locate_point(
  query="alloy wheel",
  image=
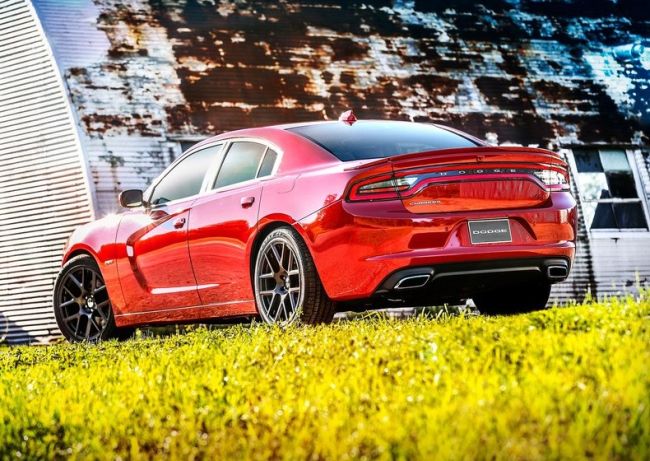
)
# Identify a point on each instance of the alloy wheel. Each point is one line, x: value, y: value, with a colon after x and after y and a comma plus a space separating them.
x: 278, y: 282
x: 84, y: 304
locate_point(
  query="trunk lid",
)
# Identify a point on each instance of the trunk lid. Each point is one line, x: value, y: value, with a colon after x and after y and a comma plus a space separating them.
x: 480, y: 178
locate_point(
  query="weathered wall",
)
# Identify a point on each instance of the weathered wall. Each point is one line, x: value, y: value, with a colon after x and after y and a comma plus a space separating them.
x: 498, y: 67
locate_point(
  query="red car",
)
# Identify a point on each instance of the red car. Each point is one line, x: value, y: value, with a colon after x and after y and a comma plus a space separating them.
x: 296, y: 222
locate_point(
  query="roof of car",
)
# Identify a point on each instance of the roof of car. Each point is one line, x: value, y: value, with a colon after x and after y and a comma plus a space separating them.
x: 342, y: 124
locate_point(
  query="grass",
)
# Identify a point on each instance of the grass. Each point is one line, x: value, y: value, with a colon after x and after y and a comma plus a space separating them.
x: 568, y: 383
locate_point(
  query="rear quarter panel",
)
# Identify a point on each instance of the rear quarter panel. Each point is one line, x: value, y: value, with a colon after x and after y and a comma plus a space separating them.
x: 311, y: 202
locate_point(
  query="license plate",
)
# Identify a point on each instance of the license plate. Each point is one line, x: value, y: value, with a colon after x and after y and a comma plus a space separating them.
x: 490, y: 231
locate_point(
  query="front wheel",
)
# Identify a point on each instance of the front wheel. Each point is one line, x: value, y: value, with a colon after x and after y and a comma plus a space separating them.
x: 514, y: 299
x: 82, y: 307
x: 287, y: 286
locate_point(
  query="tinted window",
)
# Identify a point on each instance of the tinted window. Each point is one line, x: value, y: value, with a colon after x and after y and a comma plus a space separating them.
x: 185, y: 179
x: 241, y: 163
x: 268, y: 163
x: 377, y: 139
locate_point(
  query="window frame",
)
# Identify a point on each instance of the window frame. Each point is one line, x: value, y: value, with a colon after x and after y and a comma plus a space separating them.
x: 211, y: 177
x: 213, y: 170
x: 152, y: 188
x: 638, y: 184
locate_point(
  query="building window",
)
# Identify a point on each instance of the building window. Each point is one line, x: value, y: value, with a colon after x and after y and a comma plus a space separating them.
x: 608, y: 190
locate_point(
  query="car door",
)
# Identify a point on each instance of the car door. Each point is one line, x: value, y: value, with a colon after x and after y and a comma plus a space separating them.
x: 156, y: 272
x: 223, y: 222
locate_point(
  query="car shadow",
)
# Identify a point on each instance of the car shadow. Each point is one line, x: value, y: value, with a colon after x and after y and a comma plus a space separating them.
x: 429, y: 312
x: 402, y: 313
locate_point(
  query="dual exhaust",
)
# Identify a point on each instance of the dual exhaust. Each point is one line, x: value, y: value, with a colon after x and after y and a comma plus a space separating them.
x: 554, y: 270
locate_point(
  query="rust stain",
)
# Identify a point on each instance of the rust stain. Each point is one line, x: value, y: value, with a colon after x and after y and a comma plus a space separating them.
x: 527, y: 73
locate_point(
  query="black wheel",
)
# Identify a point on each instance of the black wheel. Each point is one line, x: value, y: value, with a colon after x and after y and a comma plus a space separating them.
x: 514, y: 300
x: 287, y: 286
x: 82, y: 307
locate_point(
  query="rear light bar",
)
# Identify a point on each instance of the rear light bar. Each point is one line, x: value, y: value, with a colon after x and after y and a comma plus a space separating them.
x: 553, y: 179
x: 399, y: 184
x: 387, y: 187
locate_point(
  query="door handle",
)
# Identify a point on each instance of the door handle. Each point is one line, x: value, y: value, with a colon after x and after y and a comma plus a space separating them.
x: 247, y: 202
x: 180, y: 222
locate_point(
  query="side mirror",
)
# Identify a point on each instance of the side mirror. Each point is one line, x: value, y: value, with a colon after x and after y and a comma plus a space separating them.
x: 131, y: 198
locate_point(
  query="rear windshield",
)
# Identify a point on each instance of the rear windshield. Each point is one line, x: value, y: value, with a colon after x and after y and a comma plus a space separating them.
x: 367, y: 139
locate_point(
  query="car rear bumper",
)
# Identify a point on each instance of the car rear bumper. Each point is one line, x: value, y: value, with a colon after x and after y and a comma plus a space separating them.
x: 357, y: 246
x: 455, y: 281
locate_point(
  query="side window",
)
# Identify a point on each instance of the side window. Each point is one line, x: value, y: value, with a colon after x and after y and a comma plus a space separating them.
x: 185, y: 179
x: 268, y: 163
x: 608, y: 190
x: 241, y: 163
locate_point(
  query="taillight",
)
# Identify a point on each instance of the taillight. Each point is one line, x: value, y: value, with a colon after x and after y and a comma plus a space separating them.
x: 553, y: 179
x: 387, y: 187
x: 380, y: 188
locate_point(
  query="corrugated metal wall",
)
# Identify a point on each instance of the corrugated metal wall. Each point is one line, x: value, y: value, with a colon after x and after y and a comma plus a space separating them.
x: 581, y: 280
x: 621, y: 264
x: 44, y: 194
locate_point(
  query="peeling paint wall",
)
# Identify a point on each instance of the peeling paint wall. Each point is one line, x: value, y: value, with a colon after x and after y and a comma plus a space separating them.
x: 145, y: 75
x: 502, y: 70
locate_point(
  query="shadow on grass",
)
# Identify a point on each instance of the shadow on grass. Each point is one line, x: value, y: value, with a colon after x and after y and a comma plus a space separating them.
x: 430, y: 312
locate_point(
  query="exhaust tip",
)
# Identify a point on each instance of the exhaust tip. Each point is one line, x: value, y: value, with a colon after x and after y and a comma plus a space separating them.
x: 413, y: 281
x: 557, y: 272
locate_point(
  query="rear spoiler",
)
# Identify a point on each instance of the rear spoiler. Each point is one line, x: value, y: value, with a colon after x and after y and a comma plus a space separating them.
x: 467, y: 155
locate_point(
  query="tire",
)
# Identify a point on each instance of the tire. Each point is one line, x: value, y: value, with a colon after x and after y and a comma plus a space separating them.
x: 82, y: 308
x: 514, y: 300
x: 291, y: 291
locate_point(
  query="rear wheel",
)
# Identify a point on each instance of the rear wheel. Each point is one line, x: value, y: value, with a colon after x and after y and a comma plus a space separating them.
x: 82, y: 307
x: 287, y: 286
x: 514, y: 300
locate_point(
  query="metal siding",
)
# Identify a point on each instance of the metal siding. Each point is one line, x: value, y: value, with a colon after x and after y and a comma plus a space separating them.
x: 44, y: 193
x: 643, y: 167
x: 581, y: 279
x: 621, y: 265
x: 513, y: 73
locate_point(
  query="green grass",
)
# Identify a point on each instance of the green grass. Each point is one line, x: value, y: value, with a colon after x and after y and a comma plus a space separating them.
x: 566, y: 383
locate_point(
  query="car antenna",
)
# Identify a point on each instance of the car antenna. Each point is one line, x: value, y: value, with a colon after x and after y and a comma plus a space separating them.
x: 348, y: 117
